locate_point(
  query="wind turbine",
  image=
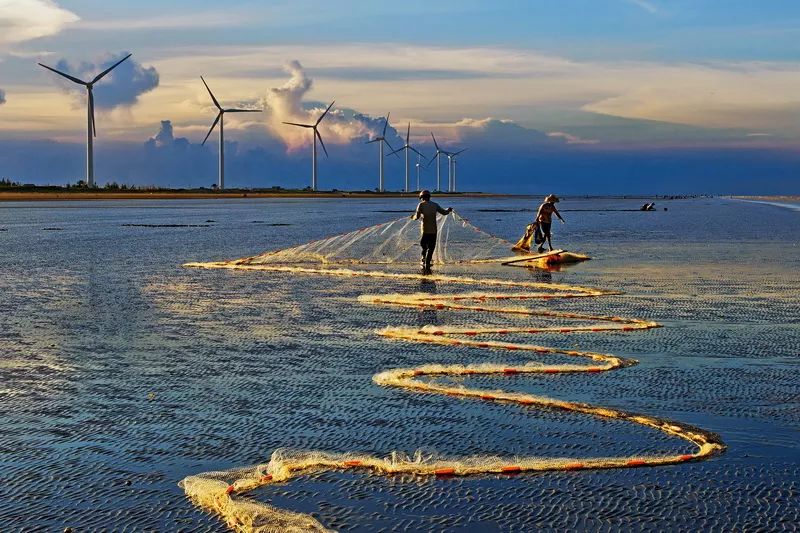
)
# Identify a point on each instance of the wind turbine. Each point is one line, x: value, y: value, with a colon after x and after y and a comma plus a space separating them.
x: 451, y: 169
x: 381, y: 140
x: 406, y: 147
x: 90, y: 126
x: 418, y: 165
x: 314, y: 138
x: 220, y: 119
x: 439, y: 152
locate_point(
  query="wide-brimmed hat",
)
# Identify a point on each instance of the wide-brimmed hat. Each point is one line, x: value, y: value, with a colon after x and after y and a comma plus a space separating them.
x: 551, y: 198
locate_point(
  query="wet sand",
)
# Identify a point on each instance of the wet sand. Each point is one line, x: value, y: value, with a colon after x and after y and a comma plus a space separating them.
x: 785, y: 198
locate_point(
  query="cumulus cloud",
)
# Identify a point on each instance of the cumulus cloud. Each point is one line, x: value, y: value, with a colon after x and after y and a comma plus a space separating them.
x: 485, y: 132
x: 2, y: 97
x: 121, y: 87
x: 23, y: 20
x: 285, y: 103
x: 165, y: 137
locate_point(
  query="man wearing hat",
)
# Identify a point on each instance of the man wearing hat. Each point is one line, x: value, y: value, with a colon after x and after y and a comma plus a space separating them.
x: 428, y: 210
x: 545, y: 219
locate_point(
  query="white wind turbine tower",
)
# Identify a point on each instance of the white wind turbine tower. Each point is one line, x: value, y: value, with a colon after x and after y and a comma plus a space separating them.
x: 439, y: 152
x: 314, y: 138
x: 451, y: 169
x: 91, y: 129
x: 220, y: 119
x: 406, y: 147
x: 381, y: 140
x: 418, y: 165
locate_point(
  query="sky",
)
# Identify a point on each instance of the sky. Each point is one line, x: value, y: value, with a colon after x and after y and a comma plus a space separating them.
x: 575, y: 96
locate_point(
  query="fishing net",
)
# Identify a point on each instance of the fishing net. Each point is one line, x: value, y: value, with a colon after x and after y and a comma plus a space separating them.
x: 458, y: 241
x: 229, y: 493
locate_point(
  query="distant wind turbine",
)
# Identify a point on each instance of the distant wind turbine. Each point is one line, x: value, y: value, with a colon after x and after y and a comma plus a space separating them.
x: 406, y: 147
x: 451, y: 169
x: 91, y: 129
x: 314, y: 138
x: 418, y: 165
x: 381, y: 140
x: 220, y: 119
x: 439, y: 152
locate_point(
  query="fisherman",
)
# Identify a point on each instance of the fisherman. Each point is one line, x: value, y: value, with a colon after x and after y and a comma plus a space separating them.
x: 544, y: 217
x: 428, y: 210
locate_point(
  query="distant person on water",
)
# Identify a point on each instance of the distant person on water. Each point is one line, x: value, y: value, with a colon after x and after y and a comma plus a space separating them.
x: 427, y: 210
x: 544, y: 218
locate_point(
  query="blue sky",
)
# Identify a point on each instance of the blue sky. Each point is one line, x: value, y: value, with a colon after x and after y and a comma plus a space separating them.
x: 602, y: 79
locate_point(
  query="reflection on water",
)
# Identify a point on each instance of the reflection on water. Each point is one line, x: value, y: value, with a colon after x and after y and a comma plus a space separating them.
x: 129, y: 372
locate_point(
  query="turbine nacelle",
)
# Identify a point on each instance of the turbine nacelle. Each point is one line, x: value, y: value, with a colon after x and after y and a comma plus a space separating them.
x: 89, y: 85
x: 91, y: 126
x: 222, y: 111
x: 316, y: 135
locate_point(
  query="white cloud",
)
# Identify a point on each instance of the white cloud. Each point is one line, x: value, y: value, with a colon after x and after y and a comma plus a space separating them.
x: 186, y: 20
x: 571, y: 139
x: 285, y: 104
x: 523, y: 85
x: 23, y: 20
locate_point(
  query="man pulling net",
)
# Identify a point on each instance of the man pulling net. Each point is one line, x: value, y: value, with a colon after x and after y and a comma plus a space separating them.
x: 427, y: 210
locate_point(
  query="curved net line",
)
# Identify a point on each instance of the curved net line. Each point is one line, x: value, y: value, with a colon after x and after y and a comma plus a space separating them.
x: 225, y: 492
x: 397, y: 241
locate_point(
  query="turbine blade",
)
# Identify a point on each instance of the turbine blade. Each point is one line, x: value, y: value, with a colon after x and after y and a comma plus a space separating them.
x: 417, y: 152
x: 91, y: 111
x: 464, y: 150
x: 301, y: 125
x: 242, y: 110
x: 434, y: 142
x: 374, y: 140
x: 323, y: 115
x: 212, y: 128
x: 408, y: 133
x: 212, y: 95
x: 316, y: 132
x: 392, y: 148
x: 71, y: 78
x: 386, y: 124
x: 387, y: 143
x: 109, y: 69
x: 395, y: 151
x: 431, y: 161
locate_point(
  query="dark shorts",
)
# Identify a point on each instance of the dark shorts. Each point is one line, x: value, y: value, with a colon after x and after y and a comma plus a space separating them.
x: 545, y: 228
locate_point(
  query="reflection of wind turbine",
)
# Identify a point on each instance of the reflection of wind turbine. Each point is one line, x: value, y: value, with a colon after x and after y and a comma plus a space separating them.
x: 406, y: 147
x: 439, y: 152
x: 220, y: 119
x: 315, y: 135
x: 451, y: 170
x: 381, y: 140
x: 92, y: 131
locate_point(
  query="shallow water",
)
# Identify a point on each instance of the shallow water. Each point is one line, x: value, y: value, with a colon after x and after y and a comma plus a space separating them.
x: 121, y: 372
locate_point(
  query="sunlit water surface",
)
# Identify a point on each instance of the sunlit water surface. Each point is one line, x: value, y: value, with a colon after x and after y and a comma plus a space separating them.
x: 121, y: 372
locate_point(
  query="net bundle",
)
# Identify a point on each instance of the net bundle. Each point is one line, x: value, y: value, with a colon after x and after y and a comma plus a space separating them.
x: 397, y: 241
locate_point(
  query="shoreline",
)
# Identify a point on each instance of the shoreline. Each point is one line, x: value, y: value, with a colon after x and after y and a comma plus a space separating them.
x: 28, y: 196
x: 81, y: 195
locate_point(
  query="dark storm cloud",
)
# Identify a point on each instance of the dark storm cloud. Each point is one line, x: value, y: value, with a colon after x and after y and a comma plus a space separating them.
x: 121, y: 87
